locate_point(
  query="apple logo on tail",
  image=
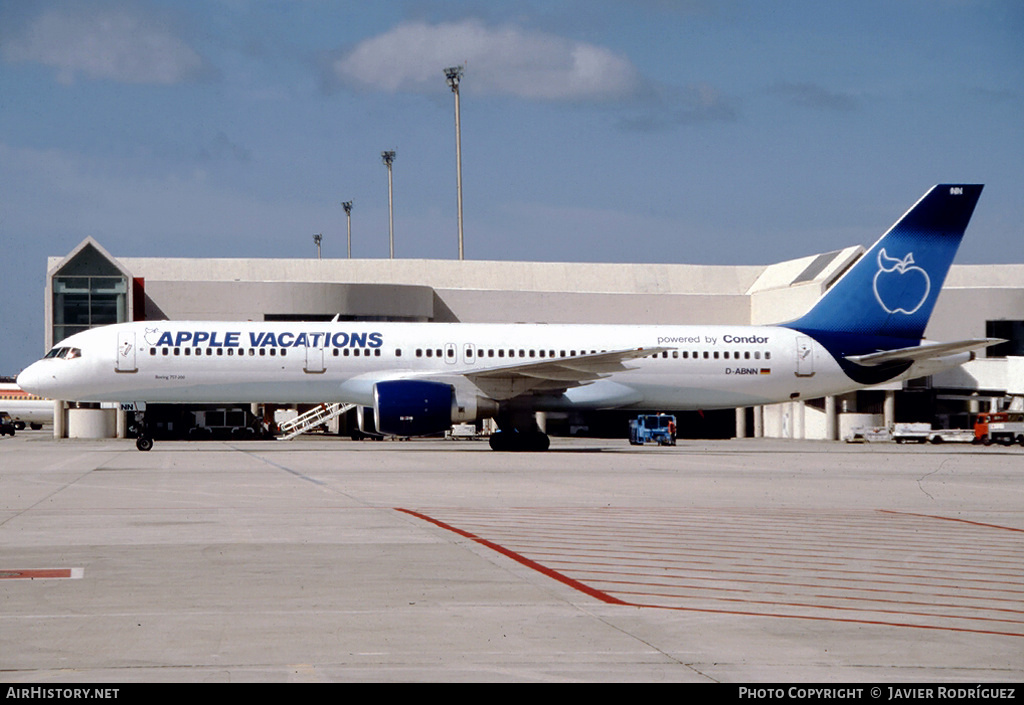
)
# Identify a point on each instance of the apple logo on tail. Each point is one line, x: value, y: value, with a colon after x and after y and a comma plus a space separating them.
x: 900, y: 285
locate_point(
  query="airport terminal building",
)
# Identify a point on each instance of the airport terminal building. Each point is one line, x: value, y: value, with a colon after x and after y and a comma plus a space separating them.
x: 90, y: 287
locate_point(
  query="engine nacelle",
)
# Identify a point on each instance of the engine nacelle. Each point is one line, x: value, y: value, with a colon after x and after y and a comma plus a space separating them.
x: 412, y: 407
x: 408, y: 407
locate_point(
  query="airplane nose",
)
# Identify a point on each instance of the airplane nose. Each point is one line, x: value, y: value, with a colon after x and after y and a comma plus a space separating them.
x: 33, y: 380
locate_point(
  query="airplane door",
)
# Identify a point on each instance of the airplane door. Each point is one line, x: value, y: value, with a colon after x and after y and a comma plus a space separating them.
x: 126, y: 352
x: 314, y: 360
x: 451, y: 353
x: 804, y: 356
x: 469, y: 353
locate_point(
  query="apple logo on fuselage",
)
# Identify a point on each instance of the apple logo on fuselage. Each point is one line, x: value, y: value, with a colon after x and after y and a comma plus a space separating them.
x: 900, y: 285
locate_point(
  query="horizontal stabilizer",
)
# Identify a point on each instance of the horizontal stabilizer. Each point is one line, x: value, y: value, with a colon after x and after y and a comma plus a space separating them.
x: 925, y: 351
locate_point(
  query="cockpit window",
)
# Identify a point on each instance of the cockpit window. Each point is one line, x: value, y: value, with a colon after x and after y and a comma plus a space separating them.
x: 65, y: 353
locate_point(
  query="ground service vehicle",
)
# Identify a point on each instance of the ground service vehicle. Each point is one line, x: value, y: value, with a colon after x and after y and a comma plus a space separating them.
x: 1004, y: 427
x: 6, y: 424
x: 653, y: 428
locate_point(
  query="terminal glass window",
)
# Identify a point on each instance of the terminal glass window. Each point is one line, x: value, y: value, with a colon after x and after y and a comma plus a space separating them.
x: 84, y: 302
x: 1010, y: 331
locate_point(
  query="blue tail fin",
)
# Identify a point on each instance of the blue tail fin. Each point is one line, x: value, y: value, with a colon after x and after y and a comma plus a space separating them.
x: 884, y: 301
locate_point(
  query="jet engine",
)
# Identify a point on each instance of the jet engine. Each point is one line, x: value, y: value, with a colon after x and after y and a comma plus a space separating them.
x: 422, y: 408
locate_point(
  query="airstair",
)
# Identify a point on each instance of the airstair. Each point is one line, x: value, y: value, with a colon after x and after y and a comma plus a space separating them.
x: 316, y: 416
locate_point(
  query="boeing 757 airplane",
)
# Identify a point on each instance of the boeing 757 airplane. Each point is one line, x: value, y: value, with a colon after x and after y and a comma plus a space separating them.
x: 420, y: 378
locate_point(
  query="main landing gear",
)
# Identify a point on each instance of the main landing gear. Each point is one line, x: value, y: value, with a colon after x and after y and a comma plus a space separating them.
x: 521, y: 434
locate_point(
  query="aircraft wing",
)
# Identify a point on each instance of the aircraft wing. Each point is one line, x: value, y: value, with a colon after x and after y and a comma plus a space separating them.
x: 553, y: 374
x: 926, y: 351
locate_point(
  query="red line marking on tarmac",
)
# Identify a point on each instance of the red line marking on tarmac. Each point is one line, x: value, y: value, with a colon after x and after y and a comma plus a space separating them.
x: 543, y: 526
x: 575, y: 584
x: 38, y: 574
x: 962, y: 521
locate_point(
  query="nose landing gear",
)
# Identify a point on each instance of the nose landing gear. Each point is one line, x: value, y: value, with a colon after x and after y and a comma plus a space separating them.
x: 143, y: 440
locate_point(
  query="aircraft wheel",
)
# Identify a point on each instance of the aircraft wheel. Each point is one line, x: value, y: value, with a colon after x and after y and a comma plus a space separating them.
x: 144, y: 443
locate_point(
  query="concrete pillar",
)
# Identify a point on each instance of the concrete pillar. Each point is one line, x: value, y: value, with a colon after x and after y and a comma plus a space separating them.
x: 831, y: 419
x: 58, y: 419
x: 758, y: 422
x: 741, y: 422
x: 799, y: 418
x: 121, y: 424
x: 91, y: 423
x: 889, y: 408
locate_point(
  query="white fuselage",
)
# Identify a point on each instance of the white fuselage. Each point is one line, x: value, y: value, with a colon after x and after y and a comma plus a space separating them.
x: 697, y: 367
x: 24, y: 407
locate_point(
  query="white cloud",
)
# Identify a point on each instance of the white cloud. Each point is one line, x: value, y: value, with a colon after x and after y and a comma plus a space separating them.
x: 506, y: 61
x: 106, y: 44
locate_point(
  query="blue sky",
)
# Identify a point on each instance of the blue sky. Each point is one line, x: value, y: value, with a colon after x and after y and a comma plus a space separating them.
x: 699, y: 131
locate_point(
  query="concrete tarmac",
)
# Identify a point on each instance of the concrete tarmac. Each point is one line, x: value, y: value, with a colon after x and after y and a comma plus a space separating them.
x: 324, y: 559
